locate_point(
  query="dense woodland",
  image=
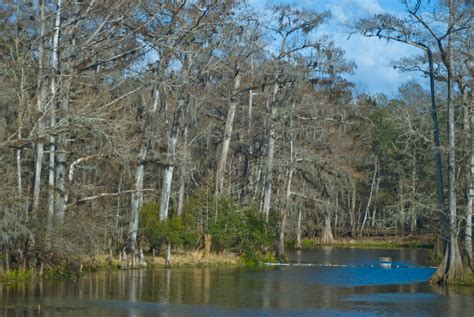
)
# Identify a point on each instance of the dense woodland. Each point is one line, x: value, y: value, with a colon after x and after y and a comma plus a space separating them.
x: 131, y: 126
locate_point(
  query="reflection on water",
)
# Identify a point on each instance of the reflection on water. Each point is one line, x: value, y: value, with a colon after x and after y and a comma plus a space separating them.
x: 301, y: 291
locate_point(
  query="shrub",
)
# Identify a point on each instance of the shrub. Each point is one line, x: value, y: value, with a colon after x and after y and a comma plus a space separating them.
x: 233, y: 227
x: 177, y: 231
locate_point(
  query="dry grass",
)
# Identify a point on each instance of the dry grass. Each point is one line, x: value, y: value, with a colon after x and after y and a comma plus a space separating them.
x: 178, y: 259
x: 408, y: 241
x: 196, y: 259
x: 99, y: 261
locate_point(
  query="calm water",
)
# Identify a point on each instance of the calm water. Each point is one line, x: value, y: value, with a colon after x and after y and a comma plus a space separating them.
x: 279, y: 291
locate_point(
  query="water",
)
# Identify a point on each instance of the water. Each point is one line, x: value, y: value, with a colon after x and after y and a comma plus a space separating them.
x: 275, y: 291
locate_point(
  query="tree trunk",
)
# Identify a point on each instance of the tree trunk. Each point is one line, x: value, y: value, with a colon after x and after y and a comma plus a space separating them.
x: 413, y: 215
x: 372, y: 188
x: 61, y: 166
x: 168, y: 172
x: 281, y: 240
x: 54, y: 98
x: 221, y: 164
x: 136, y: 200
x: 40, y: 107
x: 61, y: 197
x: 468, y: 229
x: 136, y: 203
x: 271, y: 149
x: 168, y: 255
x: 18, y: 168
x: 438, y: 161
x: 377, y: 186
x: 298, y: 245
x: 52, y: 168
x: 286, y: 208
x: 326, y: 234
x: 182, y: 177
x: 451, y: 267
x: 353, y: 210
x: 22, y: 107
x: 468, y: 127
x: 247, y: 173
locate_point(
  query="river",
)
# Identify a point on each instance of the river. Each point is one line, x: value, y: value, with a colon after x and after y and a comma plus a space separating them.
x: 360, y: 288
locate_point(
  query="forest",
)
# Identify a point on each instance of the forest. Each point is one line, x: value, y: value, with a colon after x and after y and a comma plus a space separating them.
x: 139, y: 127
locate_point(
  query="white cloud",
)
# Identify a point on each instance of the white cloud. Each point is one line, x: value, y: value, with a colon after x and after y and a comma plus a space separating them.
x: 345, y: 10
x: 373, y: 58
x: 371, y: 6
x: 258, y: 5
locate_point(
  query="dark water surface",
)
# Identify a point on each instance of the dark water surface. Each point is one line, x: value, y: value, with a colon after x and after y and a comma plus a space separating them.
x: 276, y: 291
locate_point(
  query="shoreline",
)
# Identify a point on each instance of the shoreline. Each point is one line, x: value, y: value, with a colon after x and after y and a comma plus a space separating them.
x: 197, y: 259
x: 180, y: 259
x: 376, y: 242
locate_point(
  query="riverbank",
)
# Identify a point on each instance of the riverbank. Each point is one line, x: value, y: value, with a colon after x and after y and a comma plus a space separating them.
x: 104, y: 262
x: 379, y: 242
x: 467, y: 280
x: 197, y: 259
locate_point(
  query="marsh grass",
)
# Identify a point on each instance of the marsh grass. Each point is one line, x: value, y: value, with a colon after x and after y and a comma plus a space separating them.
x: 422, y: 242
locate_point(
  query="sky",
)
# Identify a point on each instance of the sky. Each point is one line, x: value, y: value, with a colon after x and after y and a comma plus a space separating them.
x: 373, y: 57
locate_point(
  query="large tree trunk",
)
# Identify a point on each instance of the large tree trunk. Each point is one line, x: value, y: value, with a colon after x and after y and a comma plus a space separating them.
x: 451, y: 267
x: 168, y: 172
x: 40, y: 107
x: 326, y: 234
x: 136, y: 203
x: 271, y: 150
x: 54, y: 98
x: 437, y: 144
x: 468, y: 133
x: 468, y: 230
x: 61, y: 166
x: 137, y: 196
x: 221, y: 164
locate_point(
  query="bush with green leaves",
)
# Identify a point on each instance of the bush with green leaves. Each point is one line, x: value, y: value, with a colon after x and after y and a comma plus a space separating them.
x: 177, y: 231
x: 233, y: 227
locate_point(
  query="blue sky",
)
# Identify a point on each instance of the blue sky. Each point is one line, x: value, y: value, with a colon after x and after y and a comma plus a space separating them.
x: 372, y: 56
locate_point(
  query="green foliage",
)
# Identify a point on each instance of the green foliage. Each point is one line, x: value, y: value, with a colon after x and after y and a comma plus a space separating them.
x: 177, y: 231
x: 17, y: 276
x: 386, y: 133
x: 309, y: 243
x: 227, y: 226
x: 233, y: 227
x: 467, y: 280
